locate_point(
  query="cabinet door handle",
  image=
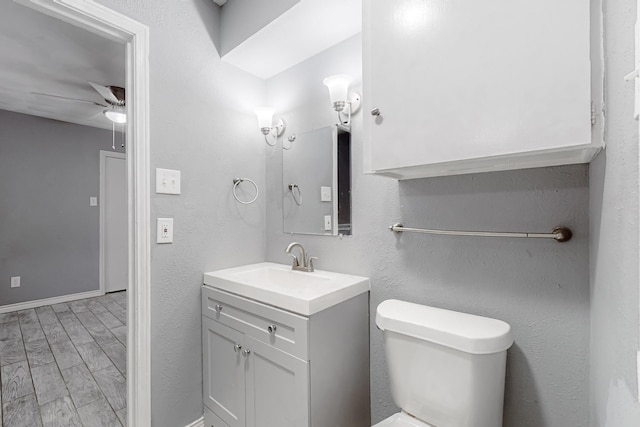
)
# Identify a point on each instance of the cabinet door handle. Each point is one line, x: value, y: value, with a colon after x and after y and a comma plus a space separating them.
x: 237, y: 348
x: 218, y: 308
x: 246, y: 352
x: 271, y: 329
x: 375, y: 111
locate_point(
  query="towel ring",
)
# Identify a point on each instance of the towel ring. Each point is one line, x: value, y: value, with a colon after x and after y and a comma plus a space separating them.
x: 236, y: 182
x: 292, y: 188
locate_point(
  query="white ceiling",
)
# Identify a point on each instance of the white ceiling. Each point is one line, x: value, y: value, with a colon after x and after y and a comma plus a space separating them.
x: 42, y: 54
x: 304, y: 30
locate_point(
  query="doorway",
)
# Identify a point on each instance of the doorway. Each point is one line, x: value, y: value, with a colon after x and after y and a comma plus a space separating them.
x: 110, y: 24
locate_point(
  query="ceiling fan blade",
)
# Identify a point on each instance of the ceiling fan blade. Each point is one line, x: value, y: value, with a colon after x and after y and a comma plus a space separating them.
x: 105, y: 93
x: 66, y: 98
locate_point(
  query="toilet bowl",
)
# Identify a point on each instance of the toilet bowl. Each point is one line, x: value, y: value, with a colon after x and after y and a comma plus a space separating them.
x: 446, y: 368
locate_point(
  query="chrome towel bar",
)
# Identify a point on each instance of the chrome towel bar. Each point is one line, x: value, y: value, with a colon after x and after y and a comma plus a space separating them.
x: 559, y: 234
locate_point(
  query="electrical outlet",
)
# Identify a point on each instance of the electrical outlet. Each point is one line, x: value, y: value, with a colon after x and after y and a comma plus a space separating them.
x: 165, y: 230
x: 327, y: 222
x: 15, y: 282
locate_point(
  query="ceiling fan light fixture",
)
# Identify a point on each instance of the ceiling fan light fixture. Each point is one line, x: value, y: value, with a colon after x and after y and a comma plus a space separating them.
x: 116, y: 116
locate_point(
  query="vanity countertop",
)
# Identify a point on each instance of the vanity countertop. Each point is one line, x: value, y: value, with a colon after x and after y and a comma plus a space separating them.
x: 280, y: 286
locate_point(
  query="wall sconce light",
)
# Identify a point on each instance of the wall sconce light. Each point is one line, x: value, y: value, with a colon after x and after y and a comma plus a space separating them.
x: 344, y: 103
x: 266, y: 125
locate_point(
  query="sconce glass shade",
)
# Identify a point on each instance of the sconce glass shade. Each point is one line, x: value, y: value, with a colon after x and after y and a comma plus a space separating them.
x: 116, y: 116
x: 338, y: 87
x: 265, y: 118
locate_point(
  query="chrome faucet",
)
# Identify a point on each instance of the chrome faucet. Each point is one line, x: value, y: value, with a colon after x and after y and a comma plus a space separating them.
x: 305, y: 263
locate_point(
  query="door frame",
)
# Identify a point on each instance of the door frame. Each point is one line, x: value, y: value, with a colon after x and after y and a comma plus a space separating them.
x: 103, y: 206
x: 115, y: 26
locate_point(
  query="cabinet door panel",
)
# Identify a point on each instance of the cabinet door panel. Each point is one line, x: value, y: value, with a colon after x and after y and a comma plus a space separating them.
x: 224, y: 385
x: 212, y: 420
x: 461, y: 79
x: 277, y: 387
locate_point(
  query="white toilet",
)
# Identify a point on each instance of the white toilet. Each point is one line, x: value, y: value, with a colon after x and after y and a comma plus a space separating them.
x: 446, y: 369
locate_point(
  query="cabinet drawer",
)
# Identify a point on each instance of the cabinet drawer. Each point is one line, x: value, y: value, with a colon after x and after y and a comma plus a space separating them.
x: 279, y: 328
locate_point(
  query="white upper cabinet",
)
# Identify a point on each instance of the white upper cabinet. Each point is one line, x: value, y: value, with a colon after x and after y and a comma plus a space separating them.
x: 467, y: 86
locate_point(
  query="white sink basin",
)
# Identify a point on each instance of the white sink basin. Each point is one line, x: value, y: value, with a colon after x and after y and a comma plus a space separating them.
x: 296, y: 291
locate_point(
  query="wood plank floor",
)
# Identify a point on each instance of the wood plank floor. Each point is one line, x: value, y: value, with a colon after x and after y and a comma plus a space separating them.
x: 65, y: 364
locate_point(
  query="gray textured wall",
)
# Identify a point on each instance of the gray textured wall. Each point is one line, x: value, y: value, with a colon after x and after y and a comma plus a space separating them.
x: 202, y: 123
x: 50, y: 234
x: 540, y: 287
x: 614, y: 235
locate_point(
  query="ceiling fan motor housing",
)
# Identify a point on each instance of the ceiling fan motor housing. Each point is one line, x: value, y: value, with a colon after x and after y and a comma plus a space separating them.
x: 119, y: 93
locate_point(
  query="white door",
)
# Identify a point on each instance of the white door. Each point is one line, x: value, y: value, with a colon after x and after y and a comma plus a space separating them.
x: 113, y: 222
x: 224, y: 372
x: 277, y: 387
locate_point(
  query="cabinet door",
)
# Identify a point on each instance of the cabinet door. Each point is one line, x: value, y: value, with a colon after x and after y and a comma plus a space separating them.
x: 277, y: 387
x: 459, y: 80
x: 224, y: 378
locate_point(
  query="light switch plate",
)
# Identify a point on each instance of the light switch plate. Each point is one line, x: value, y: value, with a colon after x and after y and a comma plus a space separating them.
x: 167, y: 181
x: 165, y: 230
x: 325, y: 194
x: 93, y: 201
x: 327, y: 222
x: 15, y: 282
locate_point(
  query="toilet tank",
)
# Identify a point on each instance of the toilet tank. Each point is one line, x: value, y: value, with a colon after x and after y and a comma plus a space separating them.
x: 445, y: 368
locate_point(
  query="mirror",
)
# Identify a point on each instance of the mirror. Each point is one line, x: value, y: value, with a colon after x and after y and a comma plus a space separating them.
x: 317, y: 183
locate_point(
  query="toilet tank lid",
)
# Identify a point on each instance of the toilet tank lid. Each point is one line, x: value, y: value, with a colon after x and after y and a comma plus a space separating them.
x: 465, y: 332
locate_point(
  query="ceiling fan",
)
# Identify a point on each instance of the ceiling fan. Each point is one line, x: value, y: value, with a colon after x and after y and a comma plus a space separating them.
x: 114, y: 97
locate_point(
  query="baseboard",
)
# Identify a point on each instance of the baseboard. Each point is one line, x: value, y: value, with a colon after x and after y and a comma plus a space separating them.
x: 197, y: 423
x: 50, y: 301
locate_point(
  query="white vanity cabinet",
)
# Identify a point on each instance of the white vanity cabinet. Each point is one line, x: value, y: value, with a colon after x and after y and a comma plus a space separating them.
x: 266, y: 367
x: 453, y: 87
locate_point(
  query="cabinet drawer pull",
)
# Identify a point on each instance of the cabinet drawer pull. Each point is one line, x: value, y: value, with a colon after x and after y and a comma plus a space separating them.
x: 271, y: 329
x: 218, y: 308
x: 246, y: 352
x: 237, y: 348
x: 375, y: 111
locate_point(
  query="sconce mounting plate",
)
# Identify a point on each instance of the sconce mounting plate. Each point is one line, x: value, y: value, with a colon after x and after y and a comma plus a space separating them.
x: 354, y: 99
x: 279, y: 127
